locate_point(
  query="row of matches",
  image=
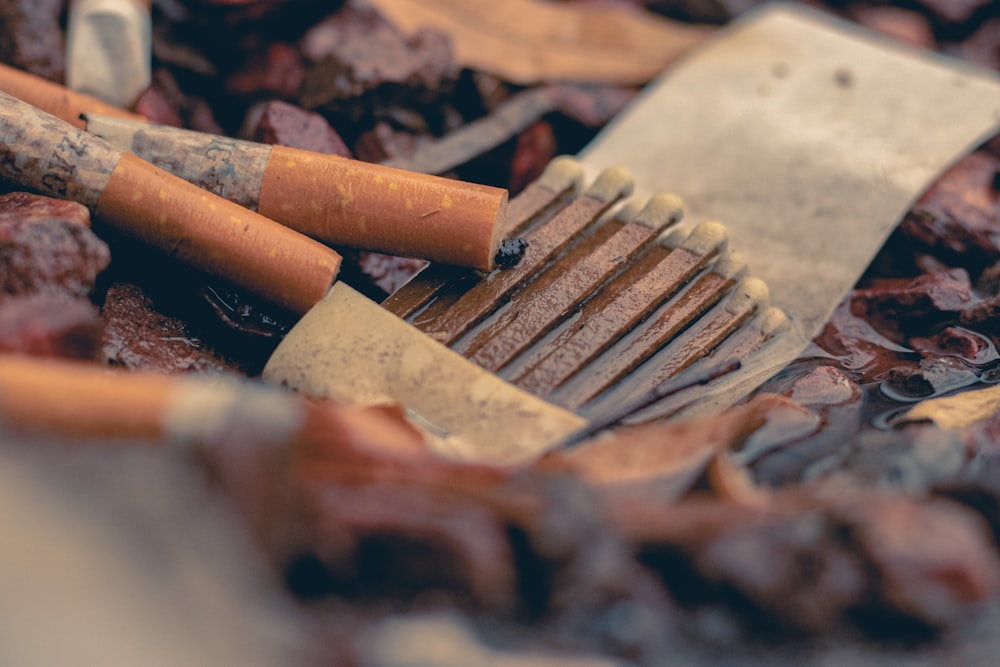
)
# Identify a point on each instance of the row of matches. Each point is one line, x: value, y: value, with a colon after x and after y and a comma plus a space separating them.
x: 609, y: 301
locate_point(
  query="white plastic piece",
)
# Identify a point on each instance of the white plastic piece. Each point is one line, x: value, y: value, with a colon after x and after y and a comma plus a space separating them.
x: 108, y: 49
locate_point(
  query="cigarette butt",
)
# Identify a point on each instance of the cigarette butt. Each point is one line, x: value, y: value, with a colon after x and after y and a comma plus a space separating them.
x: 57, y: 100
x: 108, y: 49
x: 216, y: 235
x: 82, y: 399
x: 337, y: 200
x: 210, y: 233
x: 399, y: 212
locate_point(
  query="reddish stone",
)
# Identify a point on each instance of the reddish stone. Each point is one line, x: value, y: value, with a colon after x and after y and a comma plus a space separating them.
x: 50, y: 325
x: 31, y: 37
x: 360, y: 57
x: 901, y: 307
x: 958, y: 218
x: 953, y: 11
x: 857, y: 346
x: 201, y: 118
x: 277, y: 72
x: 592, y: 106
x: 902, y: 24
x: 983, y: 47
x: 973, y: 347
x: 284, y: 124
x: 935, y: 561
x: 534, y: 149
x: 157, y: 108
x: 25, y: 205
x: 383, y: 142
x: 138, y: 337
x: 49, y: 254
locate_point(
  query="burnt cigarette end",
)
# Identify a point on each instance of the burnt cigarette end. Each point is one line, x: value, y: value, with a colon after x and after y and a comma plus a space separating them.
x: 510, y: 252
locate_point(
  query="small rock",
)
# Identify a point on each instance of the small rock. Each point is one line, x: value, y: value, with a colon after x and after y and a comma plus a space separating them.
x: 284, y: 124
x: 50, y: 325
x: 39, y: 254
x: 139, y: 338
x: 277, y: 72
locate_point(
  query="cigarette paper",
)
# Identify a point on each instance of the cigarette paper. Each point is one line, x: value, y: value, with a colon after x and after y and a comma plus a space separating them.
x: 44, y: 154
x: 57, y: 100
x: 108, y: 49
x: 337, y: 200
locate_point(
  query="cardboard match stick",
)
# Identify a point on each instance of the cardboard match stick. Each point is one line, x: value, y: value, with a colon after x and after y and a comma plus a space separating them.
x: 765, y: 326
x: 605, y: 320
x: 541, y: 311
x: 746, y: 298
x: 57, y: 100
x: 44, y: 154
x: 335, y: 199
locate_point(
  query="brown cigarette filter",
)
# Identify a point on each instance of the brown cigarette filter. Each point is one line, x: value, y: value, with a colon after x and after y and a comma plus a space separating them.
x: 57, y: 100
x: 334, y: 199
x: 44, y: 154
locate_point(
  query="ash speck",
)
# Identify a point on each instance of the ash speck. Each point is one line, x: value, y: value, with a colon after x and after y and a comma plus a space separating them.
x: 510, y: 252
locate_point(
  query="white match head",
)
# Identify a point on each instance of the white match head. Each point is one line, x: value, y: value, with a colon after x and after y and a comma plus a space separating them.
x: 750, y: 294
x: 773, y: 321
x: 562, y: 173
x: 706, y: 238
x: 730, y: 264
x: 611, y: 184
x: 662, y: 210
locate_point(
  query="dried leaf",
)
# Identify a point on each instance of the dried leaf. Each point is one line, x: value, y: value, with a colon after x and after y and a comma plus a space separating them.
x: 525, y: 42
x: 956, y: 412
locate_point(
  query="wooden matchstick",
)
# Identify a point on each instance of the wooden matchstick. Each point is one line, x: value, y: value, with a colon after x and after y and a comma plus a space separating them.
x: 331, y: 198
x: 608, y: 317
x: 541, y: 310
x: 57, y: 100
x: 44, y: 154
